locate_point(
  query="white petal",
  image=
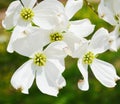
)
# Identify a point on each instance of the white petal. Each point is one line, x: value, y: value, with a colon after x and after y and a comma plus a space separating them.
x: 45, y: 21
x: 116, y: 6
x: 80, y: 49
x: 31, y: 43
x: 99, y: 42
x: 53, y: 5
x: 56, y: 50
x: 23, y: 77
x: 72, y: 6
x: 71, y: 40
x: 8, y: 22
x: 59, y: 64
x: 61, y: 82
x: 43, y: 84
x: 10, y: 19
x: 113, y: 39
x: 83, y: 84
x: 81, y: 28
x: 104, y: 72
x: 12, y: 7
x: 50, y: 16
x: 105, y: 11
x: 118, y: 43
x: 29, y: 3
x: 54, y: 73
x: 17, y: 34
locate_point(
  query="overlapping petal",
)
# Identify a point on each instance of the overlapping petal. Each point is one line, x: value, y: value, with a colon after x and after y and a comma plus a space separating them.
x: 37, y: 42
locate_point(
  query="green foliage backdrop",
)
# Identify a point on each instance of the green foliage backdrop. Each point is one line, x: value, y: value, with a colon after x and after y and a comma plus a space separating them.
x: 97, y: 94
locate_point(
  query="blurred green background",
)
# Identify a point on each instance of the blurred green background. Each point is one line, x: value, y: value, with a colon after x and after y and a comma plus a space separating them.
x: 97, y: 94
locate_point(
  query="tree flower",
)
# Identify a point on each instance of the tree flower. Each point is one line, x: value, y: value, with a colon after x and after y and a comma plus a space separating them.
x: 87, y: 54
x: 109, y: 10
x: 45, y: 65
x: 25, y: 12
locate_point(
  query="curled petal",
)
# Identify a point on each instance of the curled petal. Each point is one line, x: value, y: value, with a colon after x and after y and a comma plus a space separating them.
x: 83, y: 84
x: 23, y: 77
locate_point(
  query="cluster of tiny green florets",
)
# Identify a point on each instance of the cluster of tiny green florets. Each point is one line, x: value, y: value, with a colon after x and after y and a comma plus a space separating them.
x: 27, y: 14
x: 88, y: 58
x: 56, y: 37
x: 39, y: 59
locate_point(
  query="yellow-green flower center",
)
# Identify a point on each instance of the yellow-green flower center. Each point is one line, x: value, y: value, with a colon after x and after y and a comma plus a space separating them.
x: 88, y: 58
x: 27, y: 14
x: 39, y: 59
x: 56, y: 37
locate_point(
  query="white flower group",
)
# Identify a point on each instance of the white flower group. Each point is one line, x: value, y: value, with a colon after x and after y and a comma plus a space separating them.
x: 46, y: 33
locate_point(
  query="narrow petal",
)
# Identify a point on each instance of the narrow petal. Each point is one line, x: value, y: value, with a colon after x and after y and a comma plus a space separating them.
x: 56, y: 50
x: 72, y: 6
x: 29, y: 3
x: 100, y: 41
x: 81, y: 28
x: 31, y: 43
x: 104, y: 72
x: 43, y: 84
x: 23, y: 77
x: 83, y: 84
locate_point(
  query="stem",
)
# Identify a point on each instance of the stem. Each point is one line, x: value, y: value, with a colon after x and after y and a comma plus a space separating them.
x: 91, y: 7
x: 21, y: 3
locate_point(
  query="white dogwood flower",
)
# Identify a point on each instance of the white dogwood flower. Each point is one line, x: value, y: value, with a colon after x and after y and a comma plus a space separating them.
x: 71, y: 36
x: 109, y: 10
x: 87, y: 54
x: 24, y: 12
x: 45, y: 65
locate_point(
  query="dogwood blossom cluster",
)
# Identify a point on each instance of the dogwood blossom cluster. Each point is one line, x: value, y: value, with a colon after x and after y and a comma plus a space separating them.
x: 45, y: 33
